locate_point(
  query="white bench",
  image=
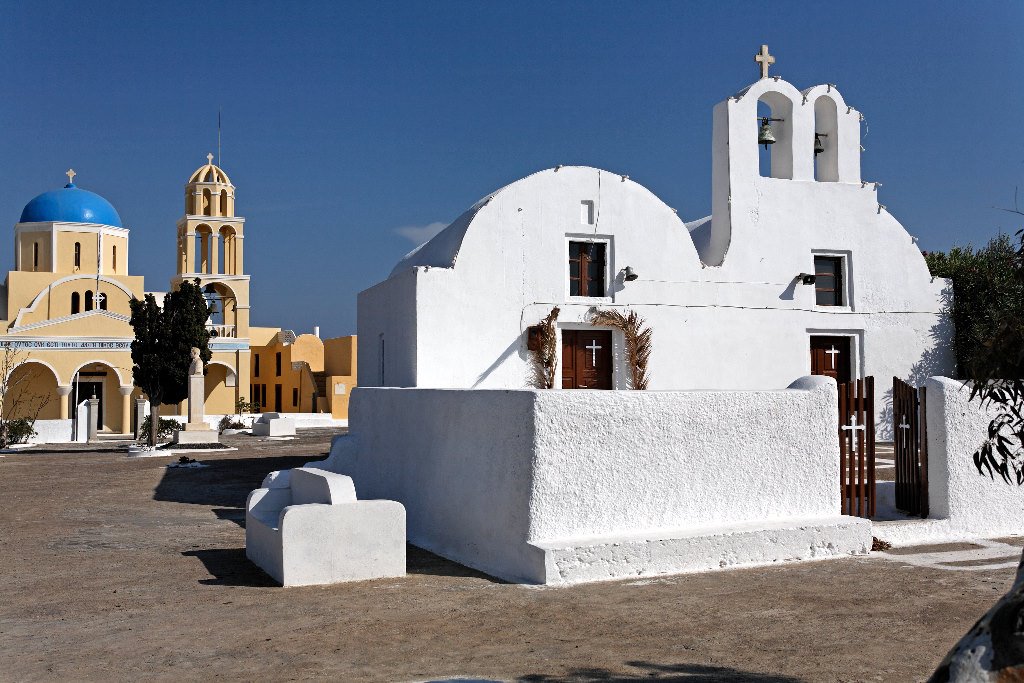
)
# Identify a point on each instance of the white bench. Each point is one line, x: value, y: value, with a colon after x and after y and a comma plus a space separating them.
x: 309, y: 528
x: 273, y: 424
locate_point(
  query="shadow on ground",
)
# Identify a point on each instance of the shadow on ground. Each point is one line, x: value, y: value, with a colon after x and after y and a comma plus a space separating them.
x: 230, y: 567
x: 685, y: 673
x: 226, y: 482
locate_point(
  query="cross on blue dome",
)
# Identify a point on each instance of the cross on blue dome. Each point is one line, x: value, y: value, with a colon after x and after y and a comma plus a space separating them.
x: 70, y: 204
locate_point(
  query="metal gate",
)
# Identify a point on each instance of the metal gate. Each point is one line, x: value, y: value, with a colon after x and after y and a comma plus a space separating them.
x: 857, y: 447
x: 910, y: 441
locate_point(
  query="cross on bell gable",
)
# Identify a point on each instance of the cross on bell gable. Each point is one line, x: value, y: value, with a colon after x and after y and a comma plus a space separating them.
x: 765, y: 60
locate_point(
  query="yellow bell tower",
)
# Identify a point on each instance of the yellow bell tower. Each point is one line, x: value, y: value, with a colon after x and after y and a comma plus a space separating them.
x: 211, y: 248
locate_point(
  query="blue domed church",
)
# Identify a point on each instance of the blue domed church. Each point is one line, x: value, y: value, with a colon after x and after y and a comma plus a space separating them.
x: 65, y: 306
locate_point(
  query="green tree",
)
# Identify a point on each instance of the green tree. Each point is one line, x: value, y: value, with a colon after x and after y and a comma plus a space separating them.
x: 986, y: 288
x: 988, y: 311
x: 164, y: 338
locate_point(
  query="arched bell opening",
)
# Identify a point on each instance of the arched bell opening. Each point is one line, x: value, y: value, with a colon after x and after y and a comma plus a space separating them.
x: 826, y: 140
x: 775, y: 135
x: 223, y: 319
x: 203, y: 249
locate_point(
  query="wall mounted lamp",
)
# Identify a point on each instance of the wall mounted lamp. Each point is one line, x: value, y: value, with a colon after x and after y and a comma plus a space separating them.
x: 807, y: 278
x: 629, y: 274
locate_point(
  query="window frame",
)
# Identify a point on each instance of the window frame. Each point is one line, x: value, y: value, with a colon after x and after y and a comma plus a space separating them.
x: 844, y: 279
x: 606, y: 243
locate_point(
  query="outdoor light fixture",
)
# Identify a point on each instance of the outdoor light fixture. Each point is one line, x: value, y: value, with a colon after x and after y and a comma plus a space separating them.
x: 807, y: 278
x: 629, y: 274
x: 818, y: 147
x: 765, y: 136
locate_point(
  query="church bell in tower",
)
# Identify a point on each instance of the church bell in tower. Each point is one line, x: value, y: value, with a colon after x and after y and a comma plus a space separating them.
x: 765, y: 136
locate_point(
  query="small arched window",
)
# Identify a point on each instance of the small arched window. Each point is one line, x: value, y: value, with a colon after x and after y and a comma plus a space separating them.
x: 76, y: 302
x: 103, y: 301
x: 88, y: 299
x: 78, y: 254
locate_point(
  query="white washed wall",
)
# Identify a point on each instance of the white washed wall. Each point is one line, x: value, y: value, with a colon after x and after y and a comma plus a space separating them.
x: 485, y: 475
x: 957, y: 492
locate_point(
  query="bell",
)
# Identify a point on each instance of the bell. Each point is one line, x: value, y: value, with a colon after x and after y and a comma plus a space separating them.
x: 818, y: 147
x: 764, y: 136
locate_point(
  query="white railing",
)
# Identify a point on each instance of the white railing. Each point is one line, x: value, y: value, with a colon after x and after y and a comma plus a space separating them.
x: 218, y: 331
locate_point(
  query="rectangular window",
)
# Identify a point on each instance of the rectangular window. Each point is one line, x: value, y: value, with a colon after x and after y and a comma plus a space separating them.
x: 78, y: 254
x: 263, y: 395
x: 35, y: 256
x: 828, y: 284
x: 256, y: 365
x: 278, y: 363
x: 114, y: 260
x: 295, y: 398
x: 586, y: 268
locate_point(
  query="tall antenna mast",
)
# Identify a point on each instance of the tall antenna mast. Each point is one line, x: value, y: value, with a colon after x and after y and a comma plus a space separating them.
x: 218, y: 136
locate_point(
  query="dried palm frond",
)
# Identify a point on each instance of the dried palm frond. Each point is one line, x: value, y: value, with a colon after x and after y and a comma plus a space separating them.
x: 545, y: 352
x: 638, y: 342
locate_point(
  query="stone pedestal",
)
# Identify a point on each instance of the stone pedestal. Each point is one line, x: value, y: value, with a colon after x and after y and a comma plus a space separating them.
x: 197, y: 400
x: 141, y: 411
x: 94, y: 417
x: 196, y: 431
x: 196, y: 434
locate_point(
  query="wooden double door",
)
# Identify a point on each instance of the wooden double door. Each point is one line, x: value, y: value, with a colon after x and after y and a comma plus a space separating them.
x: 586, y: 359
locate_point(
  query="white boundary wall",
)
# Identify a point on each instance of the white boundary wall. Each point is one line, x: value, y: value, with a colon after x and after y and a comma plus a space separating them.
x: 564, y: 486
x: 962, y: 503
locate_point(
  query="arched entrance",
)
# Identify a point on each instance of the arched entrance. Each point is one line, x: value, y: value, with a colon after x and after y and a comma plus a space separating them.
x: 102, y: 381
x: 220, y: 384
x: 32, y: 392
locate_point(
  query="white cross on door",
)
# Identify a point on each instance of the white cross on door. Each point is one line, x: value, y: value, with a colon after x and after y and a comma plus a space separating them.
x: 832, y: 353
x: 593, y: 348
x: 853, y: 424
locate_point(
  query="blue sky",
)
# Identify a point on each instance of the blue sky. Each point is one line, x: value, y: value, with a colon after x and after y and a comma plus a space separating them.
x: 348, y: 127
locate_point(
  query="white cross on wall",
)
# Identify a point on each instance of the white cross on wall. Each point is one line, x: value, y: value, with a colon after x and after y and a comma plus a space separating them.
x: 832, y: 356
x: 593, y: 348
x: 100, y: 298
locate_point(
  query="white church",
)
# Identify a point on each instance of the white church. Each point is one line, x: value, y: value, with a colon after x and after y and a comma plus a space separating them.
x: 798, y: 276
x: 727, y: 297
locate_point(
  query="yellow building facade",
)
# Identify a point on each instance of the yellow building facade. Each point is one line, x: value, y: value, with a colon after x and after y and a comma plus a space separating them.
x: 65, y: 313
x: 303, y: 373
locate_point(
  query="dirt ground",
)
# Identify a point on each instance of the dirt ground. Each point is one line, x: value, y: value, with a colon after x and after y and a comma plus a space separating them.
x: 120, y: 569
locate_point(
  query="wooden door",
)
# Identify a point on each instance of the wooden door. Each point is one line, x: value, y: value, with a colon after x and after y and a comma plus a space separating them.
x: 831, y: 356
x: 586, y: 359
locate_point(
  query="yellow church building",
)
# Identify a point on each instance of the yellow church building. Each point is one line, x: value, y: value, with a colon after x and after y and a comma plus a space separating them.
x: 64, y: 310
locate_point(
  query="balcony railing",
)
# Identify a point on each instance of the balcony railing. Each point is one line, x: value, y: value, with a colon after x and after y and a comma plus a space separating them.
x: 218, y: 331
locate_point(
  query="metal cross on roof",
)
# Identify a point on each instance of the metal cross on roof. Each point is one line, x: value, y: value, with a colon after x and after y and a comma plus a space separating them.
x: 765, y: 60
x: 209, y: 157
x: 71, y: 175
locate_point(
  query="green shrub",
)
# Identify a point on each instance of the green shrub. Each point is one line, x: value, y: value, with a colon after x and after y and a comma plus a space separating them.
x: 229, y: 422
x: 167, y: 428
x: 20, y: 430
